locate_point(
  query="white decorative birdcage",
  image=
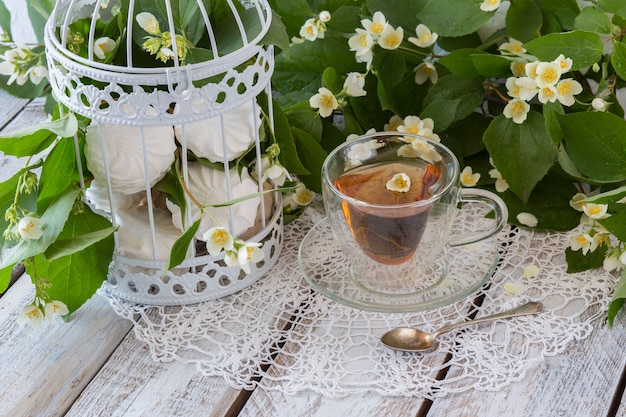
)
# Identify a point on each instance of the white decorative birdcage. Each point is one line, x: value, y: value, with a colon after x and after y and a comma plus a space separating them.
x: 198, y: 103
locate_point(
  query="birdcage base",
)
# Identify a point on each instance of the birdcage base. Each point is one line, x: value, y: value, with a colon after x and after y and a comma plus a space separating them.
x: 198, y: 279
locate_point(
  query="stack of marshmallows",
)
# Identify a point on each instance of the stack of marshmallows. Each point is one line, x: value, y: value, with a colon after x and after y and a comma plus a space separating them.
x: 129, y: 158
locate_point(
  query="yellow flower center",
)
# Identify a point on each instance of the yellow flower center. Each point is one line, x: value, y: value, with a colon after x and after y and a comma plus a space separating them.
x: 518, y: 108
x: 594, y: 210
x: 548, y: 92
x: 33, y: 314
x: 581, y: 240
x: 363, y: 40
x: 377, y: 27
x: 28, y: 227
x: 249, y: 251
x: 309, y: 30
x: 327, y: 101
x: 467, y: 178
x: 219, y: 237
x: 393, y: 40
x: 515, y: 48
x: 426, y: 37
x: 564, y: 88
x: 413, y: 129
x: 550, y: 75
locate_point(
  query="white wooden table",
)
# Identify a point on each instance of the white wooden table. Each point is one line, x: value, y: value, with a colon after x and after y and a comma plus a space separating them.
x: 94, y: 366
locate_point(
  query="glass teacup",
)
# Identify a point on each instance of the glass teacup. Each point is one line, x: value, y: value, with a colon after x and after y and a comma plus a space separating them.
x: 391, y: 200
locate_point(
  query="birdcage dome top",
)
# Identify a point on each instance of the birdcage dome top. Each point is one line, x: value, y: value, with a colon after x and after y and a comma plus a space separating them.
x: 131, y: 61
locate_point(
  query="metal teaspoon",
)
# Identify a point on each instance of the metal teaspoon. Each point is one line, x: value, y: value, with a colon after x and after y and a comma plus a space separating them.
x: 413, y: 340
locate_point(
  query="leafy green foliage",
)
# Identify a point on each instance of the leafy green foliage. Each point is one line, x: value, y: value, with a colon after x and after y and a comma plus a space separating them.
x: 523, y: 153
x: 584, y: 48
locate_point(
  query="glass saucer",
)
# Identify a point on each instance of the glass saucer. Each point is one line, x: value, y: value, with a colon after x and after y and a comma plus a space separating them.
x: 327, y: 270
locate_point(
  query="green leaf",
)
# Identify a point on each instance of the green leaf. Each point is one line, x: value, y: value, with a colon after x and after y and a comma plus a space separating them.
x: 577, y: 262
x: 608, y: 197
x: 443, y: 112
x: 614, y: 6
x: 69, y: 246
x: 618, y: 58
x: 616, y: 224
x: 390, y: 67
x: 277, y: 33
x: 465, y: 137
x: 584, y: 48
x: 331, y: 80
x: 34, y: 139
x: 617, y: 300
x: 58, y: 173
x: 398, y: 12
x: 598, y: 154
x: 460, y: 62
x: 295, y: 7
x: 467, y: 93
x: 307, y: 120
x: 549, y: 203
x: 38, y: 14
x: 288, y: 156
x: 563, y: 11
x: 181, y: 246
x: 523, y: 153
x: 301, y: 67
x: 489, y: 65
x: 523, y: 20
x: 5, y: 18
x: 53, y: 219
x: 312, y: 155
x: 593, y: 19
x: 550, y: 112
x: 451, y: 17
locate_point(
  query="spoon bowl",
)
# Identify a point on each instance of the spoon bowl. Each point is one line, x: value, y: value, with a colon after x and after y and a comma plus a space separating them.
x: 408, y: 339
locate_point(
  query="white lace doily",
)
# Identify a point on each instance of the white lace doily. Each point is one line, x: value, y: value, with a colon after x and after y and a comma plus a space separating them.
x: 314, y: 343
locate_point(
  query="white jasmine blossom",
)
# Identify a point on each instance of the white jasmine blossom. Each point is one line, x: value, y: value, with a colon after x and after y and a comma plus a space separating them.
x: 425, y: 37
x: 468, y: 177
x: 517, y: 110
x: 148, y: 22
x: 527, y: 88
x: 565, y: 64
x: 394, y: 122
x: 566, y: 90
x: 599, y: 104
x: 324, y: 16
x: 309, y: 30
x: 102, y: 46
x: 527, y: 219
x: 548, y: 74
x: 513, y: 46
x: 250, y: 252
x: 513, y: 287
x: 217, y: 238
x: 489, y: 5
x: 376, y: 26
x: 325, y: 101
x: 595, y: 211
x: 30, y: 227
x: 354, y: 85
x: 400, y: 182
x: 583, y: 241
x: 391, y: 38
x: 303, y: 196
x: 501, y: 184
x: 361, y: 44
x: 54, y: 309
x: 547, y: 94
x: 426, y: 71
x: 576, y: 202
x: 518, y: 68
x: 37, y: 73
x: 417, y: 126
x: 420, y: 149
x: 31, y: 315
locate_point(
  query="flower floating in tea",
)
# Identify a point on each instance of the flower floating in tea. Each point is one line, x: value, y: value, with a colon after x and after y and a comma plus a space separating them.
x: 399, y: 182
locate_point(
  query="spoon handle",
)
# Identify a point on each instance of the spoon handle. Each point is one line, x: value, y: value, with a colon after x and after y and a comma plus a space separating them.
x: 528, y: 308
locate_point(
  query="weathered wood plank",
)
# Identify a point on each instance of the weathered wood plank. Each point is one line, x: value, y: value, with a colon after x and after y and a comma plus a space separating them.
x: 581, y: 382
x: 10, y: 106
x: 131, y: 383
x: 44, y: 371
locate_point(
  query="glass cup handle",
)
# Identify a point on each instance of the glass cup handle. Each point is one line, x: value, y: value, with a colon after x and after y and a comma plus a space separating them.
x: 494, y: 202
